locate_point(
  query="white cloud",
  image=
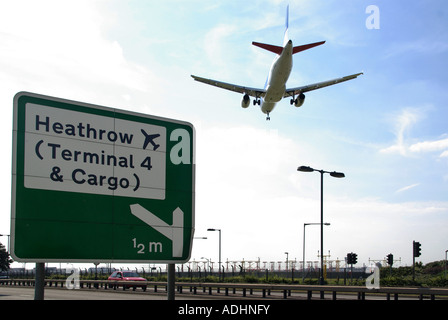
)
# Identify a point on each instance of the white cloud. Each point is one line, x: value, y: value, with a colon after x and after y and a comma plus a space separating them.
x: 420, y: 46
x: 265, y: 226
x: 427, y: 146
x: 58, y: 44
x: 408, y: 187
x: 419, y: 147
x: 402, y: 124
x: 214, y: 43
x: 244, y: 153
x: 444, y: 154
x: 400, y: 223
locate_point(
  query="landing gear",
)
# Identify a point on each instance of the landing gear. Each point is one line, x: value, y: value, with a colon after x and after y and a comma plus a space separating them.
x: 293, y: 100
x: 268, y: 118
x: 257, y: 101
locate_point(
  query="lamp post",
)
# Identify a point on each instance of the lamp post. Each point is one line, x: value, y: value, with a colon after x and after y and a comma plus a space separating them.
x: 219, y: 262
x: 287, y: 254
x: 334, y: 174
x: 303, y: 260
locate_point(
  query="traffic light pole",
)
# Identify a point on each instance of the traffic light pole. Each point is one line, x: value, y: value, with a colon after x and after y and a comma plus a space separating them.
x: 416, y: 248
x: 390, y: 261
x: 413, y: 268
x: 413, y: 260
x: 351, y: 274
x: 351, y: 260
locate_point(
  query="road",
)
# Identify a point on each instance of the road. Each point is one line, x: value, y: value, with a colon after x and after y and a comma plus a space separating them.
x: 233, y: 306
x: 53, y: 293
x: 27, y: 293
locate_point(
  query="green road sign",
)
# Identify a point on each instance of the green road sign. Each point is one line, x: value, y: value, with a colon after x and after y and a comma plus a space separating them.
x: 96, y: 184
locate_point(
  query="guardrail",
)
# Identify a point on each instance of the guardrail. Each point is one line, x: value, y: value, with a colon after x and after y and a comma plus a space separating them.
x: 231, y: 288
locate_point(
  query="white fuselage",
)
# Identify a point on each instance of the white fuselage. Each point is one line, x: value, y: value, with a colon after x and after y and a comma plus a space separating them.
x: 278, y: 76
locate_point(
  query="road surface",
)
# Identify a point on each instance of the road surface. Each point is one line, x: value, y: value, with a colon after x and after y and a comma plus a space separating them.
x: 27, y: 293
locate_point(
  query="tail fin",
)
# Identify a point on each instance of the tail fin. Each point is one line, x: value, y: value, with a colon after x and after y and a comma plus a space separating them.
x: 278, y: 50
x: 286, y: 36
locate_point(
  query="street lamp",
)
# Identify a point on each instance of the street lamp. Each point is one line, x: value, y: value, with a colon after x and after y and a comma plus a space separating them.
x: 335, y: 175
x: 303, y: 260
x: 287, y: 254
x: 219, y: 262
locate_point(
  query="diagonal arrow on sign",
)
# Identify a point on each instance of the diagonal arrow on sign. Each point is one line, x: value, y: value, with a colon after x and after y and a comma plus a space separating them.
x: 174, y: 232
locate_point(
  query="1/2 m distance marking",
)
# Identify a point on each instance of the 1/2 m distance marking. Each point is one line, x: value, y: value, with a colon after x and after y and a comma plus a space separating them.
x: 152, y: 247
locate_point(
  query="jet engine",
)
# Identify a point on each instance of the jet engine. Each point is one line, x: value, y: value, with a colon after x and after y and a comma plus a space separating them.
x: 299, y: 101
x: 246, y: 101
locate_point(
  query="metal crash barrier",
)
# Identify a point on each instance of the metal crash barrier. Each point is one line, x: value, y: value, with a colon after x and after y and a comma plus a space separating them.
x: 260, y: 290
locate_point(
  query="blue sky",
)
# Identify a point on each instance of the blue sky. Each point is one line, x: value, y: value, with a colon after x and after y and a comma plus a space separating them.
x: 387, y: 130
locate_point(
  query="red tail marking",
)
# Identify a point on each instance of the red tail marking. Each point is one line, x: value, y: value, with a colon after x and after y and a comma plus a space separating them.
x: 278, y: 50
x: 269, y: 47
x: 306, y: 47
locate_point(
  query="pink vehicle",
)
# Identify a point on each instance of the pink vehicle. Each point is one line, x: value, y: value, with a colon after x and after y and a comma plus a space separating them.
x: 127, y: 276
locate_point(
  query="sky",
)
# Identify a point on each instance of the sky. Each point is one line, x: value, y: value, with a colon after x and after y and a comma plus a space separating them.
x: 387, y: 130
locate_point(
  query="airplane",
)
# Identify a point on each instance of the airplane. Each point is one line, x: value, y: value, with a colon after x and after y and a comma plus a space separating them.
x: 149, y: 138
x: 275, y: 86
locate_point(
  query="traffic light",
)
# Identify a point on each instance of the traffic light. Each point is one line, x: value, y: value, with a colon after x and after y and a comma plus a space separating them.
x: 349, y: 258
x: 352, y: 258
x: 417, y: 249
x: 390, y: 259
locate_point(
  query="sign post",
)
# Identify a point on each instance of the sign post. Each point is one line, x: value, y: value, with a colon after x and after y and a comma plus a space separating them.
x: 40, y: 281
x: 93, y: 183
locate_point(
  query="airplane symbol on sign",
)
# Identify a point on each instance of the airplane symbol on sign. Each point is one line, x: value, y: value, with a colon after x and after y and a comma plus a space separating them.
x: 149, y: 138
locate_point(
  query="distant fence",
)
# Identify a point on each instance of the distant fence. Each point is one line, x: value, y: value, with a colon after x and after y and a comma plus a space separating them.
x: 258, y: 290
x: 154, y: 273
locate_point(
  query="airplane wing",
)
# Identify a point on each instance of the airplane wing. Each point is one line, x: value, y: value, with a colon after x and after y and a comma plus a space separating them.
x: 298, y: 90
x: 254, y: 92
